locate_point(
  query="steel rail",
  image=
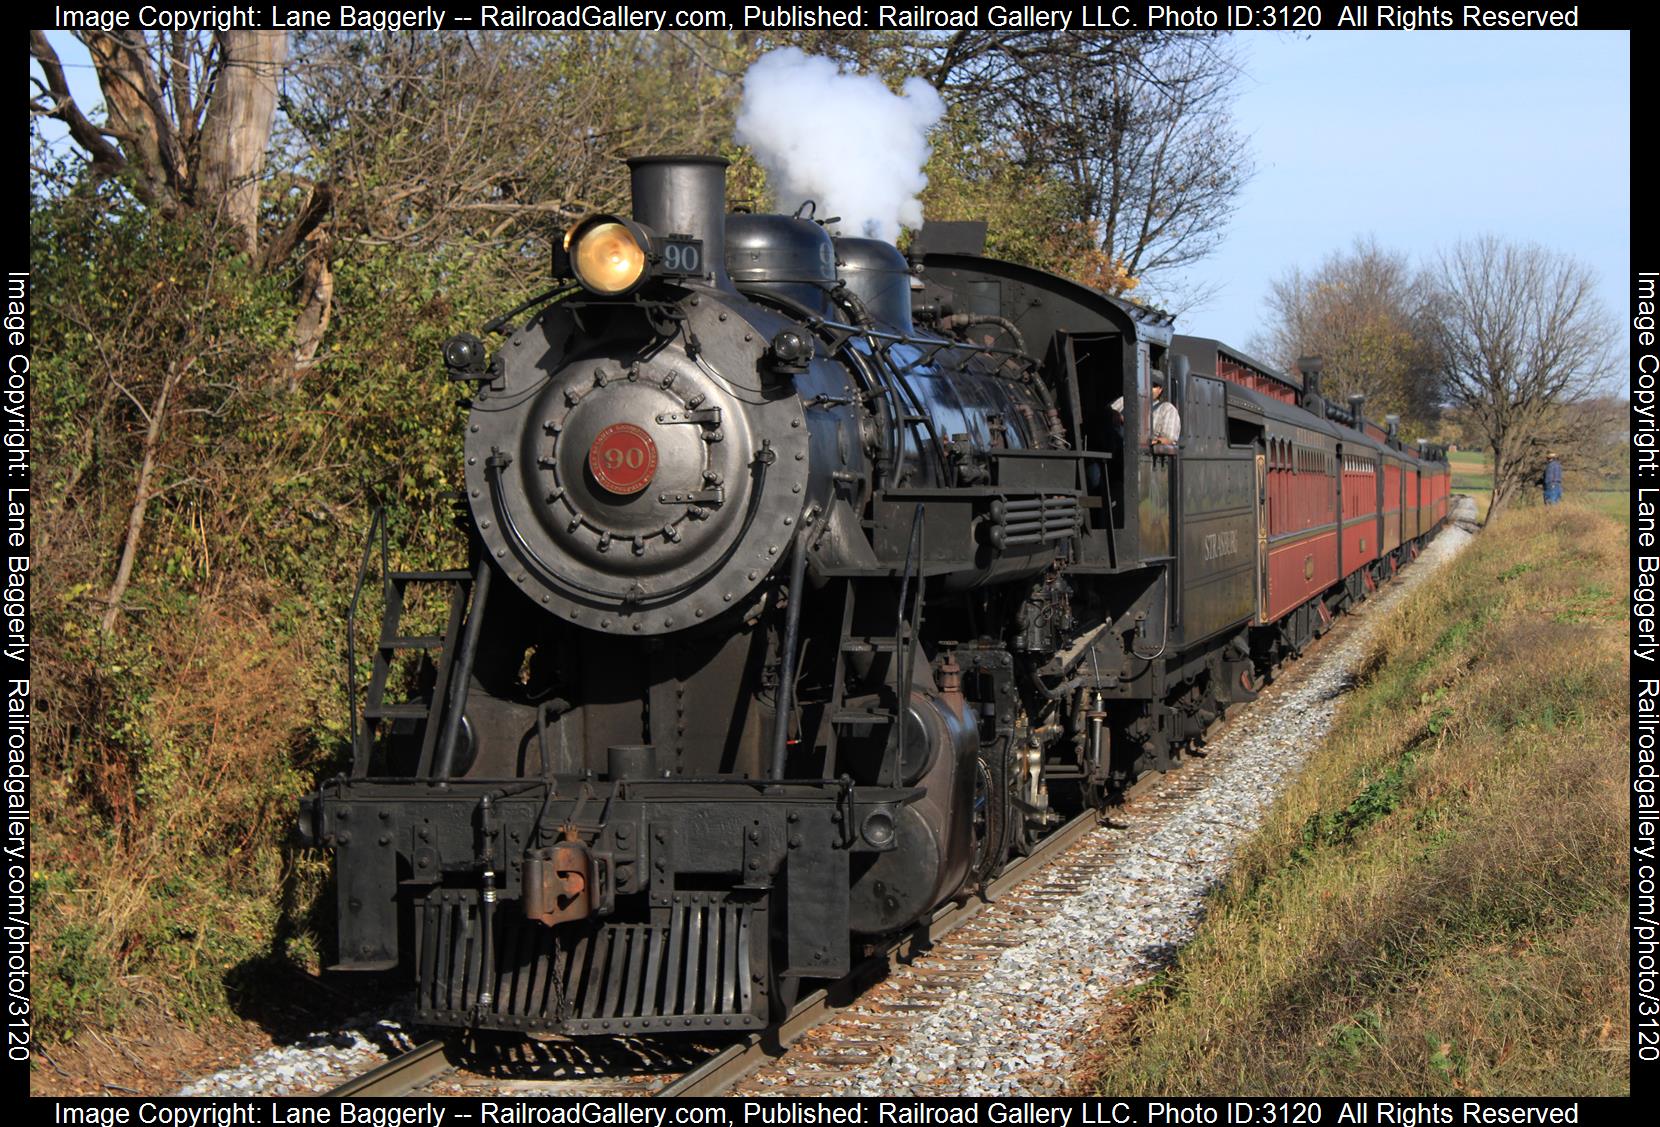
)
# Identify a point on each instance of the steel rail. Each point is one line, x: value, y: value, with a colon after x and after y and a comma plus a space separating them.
x: 401, y: 1074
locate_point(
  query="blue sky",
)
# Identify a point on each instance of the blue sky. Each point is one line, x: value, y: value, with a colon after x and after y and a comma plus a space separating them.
x: 1420, y: 139
x: 1417, y: 139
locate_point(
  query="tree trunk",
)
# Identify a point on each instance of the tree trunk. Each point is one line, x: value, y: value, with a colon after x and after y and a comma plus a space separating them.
x: 141, y: 499
x: 1506, y: 480
x: 138, y: 116
x: 238, y: 127
x: 316, y: 304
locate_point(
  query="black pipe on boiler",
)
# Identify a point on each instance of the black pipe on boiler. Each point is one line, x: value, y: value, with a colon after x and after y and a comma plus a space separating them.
x: 785, y: 697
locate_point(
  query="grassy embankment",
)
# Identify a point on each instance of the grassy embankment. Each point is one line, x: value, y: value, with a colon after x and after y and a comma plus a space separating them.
x: 1472, y: 474
x: 1439, y: 905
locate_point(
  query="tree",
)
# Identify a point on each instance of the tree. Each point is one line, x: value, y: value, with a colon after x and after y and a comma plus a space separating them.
x: 189, y: 119
x: 495, y: 138
x: 1131, y: 132
x: 1138, y: 125
x: 189, y: 116
x: 1522, y: 337
x: 1365, y: 313
x: 1028, y: 211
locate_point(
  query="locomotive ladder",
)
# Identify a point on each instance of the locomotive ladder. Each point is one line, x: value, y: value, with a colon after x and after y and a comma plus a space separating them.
x: 377, y: 712
x: 902, y: 644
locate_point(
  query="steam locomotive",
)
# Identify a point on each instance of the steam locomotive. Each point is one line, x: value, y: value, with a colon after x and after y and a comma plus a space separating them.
x: 809, y: 584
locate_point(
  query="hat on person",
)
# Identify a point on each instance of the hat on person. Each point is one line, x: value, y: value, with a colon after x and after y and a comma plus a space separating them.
x: 1158, y: 378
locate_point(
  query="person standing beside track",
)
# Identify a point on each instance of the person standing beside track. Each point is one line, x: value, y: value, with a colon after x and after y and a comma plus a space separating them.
x: 1551, y: 479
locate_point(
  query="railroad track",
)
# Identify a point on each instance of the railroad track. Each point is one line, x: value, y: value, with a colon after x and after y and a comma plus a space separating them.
x: 402, y: 1074
x: 433, y: 1060
x: 719, y: 1070
x: 847, y: 1025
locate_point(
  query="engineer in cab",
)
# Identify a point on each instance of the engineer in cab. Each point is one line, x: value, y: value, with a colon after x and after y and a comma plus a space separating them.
x: 1167, y: 421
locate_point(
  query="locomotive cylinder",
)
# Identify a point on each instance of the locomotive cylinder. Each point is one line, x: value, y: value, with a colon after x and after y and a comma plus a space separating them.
x: 935, y: 835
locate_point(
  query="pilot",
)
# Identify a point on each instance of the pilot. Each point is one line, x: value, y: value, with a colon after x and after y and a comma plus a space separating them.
x: 1167, y: 421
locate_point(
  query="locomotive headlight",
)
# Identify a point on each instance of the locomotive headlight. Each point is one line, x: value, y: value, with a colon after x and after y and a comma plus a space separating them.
x: 607, y: 254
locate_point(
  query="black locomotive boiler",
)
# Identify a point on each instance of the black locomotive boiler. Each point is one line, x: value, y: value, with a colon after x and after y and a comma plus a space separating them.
x: 808, y: 584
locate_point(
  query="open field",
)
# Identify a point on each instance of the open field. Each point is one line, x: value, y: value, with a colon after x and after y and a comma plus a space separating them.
x: 1471, y: 475
x: 1438, y: 905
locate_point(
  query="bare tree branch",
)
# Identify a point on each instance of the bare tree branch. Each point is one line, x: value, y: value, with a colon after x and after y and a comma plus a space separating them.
x: 316, y: 209
x: 1522, y: 335
x: 143, y: 492
x: 106, y: 158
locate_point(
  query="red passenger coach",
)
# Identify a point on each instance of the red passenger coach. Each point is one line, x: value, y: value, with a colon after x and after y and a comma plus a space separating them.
x: 1360, y: 509
x: 1302, y: 520
x: 1341, y: 501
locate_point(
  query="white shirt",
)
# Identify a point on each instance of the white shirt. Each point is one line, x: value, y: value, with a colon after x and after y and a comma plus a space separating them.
x: 1167, y: 421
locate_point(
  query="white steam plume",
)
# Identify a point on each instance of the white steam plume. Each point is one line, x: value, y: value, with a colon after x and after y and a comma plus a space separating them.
x: 843, y: 140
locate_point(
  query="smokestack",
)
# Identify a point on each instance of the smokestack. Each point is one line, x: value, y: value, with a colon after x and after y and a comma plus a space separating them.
x: 1357, y: 410
x: 685, y: 195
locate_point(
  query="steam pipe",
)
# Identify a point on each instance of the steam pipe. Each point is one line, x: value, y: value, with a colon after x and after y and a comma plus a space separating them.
x: 462, y: 672
x: 1051, y: 410
x: 785, y: 697
x: 963, y: 320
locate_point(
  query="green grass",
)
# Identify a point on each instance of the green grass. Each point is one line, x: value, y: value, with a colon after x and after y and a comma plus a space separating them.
x: 1610, y: 503
x: 1438, y: 904
x: 1471, y: 475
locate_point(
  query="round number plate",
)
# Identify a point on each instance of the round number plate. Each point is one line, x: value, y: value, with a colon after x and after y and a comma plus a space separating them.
x: 623, y: 458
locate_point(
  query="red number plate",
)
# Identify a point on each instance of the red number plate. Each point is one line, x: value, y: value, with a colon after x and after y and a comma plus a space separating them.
x: 623, y: 458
